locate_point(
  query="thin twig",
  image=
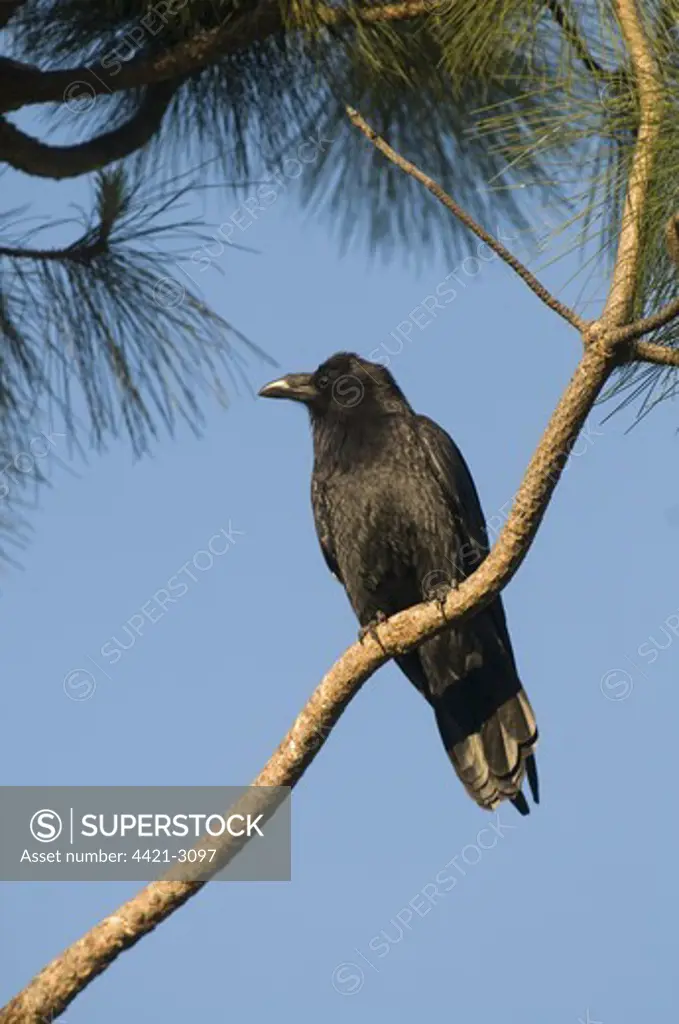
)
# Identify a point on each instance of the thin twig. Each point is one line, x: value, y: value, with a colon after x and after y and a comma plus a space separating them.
x: 405, y: 165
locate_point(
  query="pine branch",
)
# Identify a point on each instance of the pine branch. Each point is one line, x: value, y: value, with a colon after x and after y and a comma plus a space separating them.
x: 42, y: 160
x: 78, y: 253
x: 106, y: 316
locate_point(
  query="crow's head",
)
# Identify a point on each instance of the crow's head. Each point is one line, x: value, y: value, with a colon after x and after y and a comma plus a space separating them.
x: 344, y: 385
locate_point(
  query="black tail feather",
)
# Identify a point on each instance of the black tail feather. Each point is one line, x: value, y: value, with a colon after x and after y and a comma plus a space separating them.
x: 532, y: 773
x: 521, y: 804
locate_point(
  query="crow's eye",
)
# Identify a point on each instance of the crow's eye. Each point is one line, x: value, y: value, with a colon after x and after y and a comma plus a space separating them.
x: 323, y: 381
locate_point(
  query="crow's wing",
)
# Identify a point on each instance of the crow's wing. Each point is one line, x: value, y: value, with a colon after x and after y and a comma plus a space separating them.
x: 322, y: 521
x: 485, y: 718
x: 453, y: 477
x: 455, y: 480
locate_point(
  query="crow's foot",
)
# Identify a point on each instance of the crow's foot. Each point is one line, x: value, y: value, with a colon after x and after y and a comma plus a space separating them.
x: 440, y: 592
x: 371, y: 628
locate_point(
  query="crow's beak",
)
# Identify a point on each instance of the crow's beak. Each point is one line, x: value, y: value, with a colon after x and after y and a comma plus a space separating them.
x: 297, y: 386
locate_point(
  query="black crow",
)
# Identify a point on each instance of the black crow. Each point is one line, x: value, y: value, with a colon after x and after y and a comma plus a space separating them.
x: 399, y: 521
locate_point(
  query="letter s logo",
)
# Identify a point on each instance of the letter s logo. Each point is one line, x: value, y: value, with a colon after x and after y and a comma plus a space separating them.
x: 45, y: 826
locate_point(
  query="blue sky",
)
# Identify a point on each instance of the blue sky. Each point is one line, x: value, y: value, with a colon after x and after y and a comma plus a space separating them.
x: 571, y: 911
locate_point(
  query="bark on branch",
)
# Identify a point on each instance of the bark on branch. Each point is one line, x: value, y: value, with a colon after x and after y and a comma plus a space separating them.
x: 647, y: 324
x: 662, y: 355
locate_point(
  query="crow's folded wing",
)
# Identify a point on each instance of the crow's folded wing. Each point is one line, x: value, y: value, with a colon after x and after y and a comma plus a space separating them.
x: 322, y: 522
x: 455, y: 480
x: 453, y: 477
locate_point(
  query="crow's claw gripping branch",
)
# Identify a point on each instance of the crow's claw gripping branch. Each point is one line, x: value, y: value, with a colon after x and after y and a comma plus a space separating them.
x: 371, y: 628
x: 439, y: 593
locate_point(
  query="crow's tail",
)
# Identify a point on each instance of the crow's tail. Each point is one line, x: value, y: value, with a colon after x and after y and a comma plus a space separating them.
x: 493, y: 756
